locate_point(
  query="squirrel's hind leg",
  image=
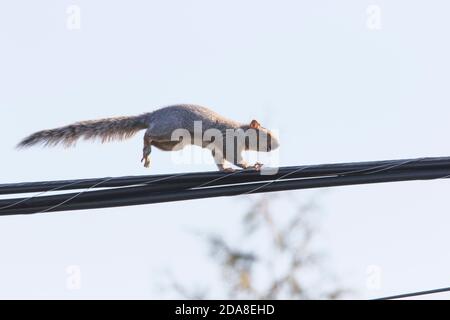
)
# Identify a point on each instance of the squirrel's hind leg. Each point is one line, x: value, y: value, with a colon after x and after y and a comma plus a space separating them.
x: 146, y: 151
x: 220, y: 161
x: 241, y: 163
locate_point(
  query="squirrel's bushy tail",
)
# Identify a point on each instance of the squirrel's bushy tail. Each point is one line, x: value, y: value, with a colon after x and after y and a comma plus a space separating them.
x: 104, y: 129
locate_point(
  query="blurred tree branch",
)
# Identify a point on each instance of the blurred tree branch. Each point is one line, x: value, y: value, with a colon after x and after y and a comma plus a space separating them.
x: 276, y: 257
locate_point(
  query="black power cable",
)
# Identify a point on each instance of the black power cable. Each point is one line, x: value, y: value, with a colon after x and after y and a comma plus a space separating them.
x: 141, y: 195
x: 220, y: 178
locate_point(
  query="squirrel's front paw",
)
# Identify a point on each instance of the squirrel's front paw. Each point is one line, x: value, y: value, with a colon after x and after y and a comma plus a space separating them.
x: 257, y: 166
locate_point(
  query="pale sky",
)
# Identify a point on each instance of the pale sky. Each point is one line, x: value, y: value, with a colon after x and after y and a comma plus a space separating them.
x: 338, y: 86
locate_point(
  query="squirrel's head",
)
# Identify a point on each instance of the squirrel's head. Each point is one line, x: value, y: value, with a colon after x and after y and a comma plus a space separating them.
x: 266, y: 140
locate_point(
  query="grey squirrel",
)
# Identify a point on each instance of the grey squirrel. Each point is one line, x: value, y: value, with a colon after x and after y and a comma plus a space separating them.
x: 160, y: 127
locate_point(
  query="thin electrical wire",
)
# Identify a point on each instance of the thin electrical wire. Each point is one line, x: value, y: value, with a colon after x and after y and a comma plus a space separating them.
x: 37, y: 195
x: 415, y: 294
x: 71, y: 198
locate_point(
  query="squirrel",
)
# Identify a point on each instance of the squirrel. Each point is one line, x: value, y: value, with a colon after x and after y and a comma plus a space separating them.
x: 160, y: 126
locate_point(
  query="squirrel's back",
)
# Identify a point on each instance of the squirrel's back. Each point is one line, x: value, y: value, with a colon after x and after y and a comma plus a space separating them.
x: 184, y: 116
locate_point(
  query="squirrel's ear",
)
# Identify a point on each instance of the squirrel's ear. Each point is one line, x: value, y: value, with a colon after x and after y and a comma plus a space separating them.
x: 254, y: 124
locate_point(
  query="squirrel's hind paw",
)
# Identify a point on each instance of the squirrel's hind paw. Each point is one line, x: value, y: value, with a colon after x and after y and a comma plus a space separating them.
x: 146, y: 161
